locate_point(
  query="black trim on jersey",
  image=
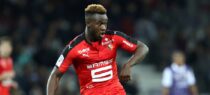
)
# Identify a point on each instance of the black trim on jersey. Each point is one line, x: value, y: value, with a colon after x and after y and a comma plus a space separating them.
x: 56, y: 66
x: 122, y: 35
x: 72, y: 44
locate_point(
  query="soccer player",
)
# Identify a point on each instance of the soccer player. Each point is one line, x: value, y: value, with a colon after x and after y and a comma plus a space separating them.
x: 6, y: 67
x: 93, y: 55
x: 178, y: 79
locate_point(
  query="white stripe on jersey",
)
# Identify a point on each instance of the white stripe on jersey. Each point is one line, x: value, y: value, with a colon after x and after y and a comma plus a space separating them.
x: 60, y: 61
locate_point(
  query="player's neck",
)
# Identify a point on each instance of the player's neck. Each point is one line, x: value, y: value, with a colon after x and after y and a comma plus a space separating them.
x: 89, y: 37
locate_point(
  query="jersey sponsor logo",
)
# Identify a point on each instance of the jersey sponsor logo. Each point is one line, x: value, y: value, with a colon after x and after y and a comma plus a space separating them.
x: 181, y: 80
x: 107, y: 41
x: 60, y: 60
x: 101, y: 71
x: 85, y: 55
x: 110, y: 46
x: 89, y: 86
x: 97, y: 76
x: 128, y: 43
x: 100, y: 64
x: 84, y: 52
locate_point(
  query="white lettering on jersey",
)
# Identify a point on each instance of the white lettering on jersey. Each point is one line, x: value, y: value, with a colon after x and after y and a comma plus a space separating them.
x: 107, y: 41
x: 89, y: 86
x: 101, y: 77
x: 86, y: 55
x: 100, y: 64
x: 60, y: 61
x: 84, y: 50
x: 128, y: 43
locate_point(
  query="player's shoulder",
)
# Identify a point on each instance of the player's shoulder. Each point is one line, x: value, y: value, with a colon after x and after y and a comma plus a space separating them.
x: 113, y: 32
x: 76, y: 40
x: 167, y: 69
x: 73, y: 43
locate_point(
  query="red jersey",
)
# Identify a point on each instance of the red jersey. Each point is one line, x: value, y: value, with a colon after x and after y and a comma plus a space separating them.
x: 95, y: 62
x: 6, y: 65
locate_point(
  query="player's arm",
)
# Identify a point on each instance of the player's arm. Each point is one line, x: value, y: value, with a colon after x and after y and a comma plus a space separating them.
x: 138, y: 48
x: 53, y: 81
x: 62, y: 65
x: 139, y: 54
x: 165, y: 91
x: 192, y: 82
x: 166, y: 81
x: 193, y: 90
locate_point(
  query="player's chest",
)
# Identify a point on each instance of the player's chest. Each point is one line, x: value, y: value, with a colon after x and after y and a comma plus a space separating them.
x: 5, y: 63
x: 180, y: 77
x: 96, y: 52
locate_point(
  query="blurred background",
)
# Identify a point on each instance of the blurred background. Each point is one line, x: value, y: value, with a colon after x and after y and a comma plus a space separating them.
x: 41, y: 28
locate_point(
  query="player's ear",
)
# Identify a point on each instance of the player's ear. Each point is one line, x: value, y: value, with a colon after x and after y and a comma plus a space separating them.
x: 89, y: 22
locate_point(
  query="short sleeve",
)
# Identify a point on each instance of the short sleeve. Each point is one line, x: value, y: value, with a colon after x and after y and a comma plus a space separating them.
x: 125, y: 42
x: 68, y: 54
x: 167, y: 78
x: 190, y: 77
x: 65, y: 59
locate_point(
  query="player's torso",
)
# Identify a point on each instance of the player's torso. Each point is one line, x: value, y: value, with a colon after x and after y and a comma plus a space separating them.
x: 6, y: 64
x: 180, y: 85
x: 95, y: 64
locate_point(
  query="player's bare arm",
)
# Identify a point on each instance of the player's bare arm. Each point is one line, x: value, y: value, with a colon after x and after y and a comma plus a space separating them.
x: 194, y: 90
x: 165, y: 91
x: 138, y: 56
x: 53, y: 81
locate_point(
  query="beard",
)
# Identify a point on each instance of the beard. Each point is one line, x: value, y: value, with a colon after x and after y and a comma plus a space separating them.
x: 95, y: 35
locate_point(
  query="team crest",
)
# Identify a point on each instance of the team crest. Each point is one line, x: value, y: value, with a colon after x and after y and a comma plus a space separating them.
x: 110, y: 46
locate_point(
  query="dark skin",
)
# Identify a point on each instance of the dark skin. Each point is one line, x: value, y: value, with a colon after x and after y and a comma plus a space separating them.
x: 140, y: 53
x: 96, y: 26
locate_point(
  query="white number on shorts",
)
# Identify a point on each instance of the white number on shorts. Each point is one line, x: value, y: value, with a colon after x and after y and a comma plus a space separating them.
x: 102, y: 76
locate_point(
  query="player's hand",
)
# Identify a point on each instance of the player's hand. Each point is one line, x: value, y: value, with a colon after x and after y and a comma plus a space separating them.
x: 125, y: 74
